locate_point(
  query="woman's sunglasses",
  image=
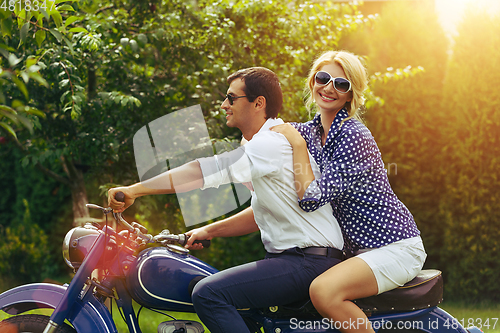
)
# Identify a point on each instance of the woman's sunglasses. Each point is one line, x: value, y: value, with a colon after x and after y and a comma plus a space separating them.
x: 339, y: 83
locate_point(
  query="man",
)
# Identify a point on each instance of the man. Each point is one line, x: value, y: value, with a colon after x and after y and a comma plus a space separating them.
x: 299, y: 245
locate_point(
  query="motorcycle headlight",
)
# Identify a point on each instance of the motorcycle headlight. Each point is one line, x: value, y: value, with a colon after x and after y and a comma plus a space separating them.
x: 77, y: 244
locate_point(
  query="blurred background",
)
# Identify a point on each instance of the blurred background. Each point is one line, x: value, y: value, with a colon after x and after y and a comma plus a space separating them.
x: 80, y: 78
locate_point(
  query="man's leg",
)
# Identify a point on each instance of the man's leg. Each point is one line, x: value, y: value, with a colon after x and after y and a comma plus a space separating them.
x: 276, y: 280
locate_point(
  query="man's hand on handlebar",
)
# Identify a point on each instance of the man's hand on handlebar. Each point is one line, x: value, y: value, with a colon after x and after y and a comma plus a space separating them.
x: 118, y: 206
x: 196, y: 234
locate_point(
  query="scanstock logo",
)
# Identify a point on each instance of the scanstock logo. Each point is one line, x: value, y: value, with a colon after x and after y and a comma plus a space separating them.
x: 178, y: 138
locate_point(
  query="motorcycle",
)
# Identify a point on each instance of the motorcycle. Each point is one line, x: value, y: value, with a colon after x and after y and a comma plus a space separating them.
x: 162, y: 277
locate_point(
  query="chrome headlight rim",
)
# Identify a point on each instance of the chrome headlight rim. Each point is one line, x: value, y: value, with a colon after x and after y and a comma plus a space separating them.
x: 66, y: 246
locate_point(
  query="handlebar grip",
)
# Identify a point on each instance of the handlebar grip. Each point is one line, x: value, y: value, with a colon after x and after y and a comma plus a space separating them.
x: 120, y: 196
x: 205, y: 242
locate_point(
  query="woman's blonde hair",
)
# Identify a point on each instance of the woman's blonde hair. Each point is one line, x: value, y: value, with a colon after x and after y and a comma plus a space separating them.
x: 354, y: 71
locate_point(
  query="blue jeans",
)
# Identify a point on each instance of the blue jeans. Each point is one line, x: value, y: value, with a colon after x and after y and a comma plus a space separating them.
x: 278, y: 279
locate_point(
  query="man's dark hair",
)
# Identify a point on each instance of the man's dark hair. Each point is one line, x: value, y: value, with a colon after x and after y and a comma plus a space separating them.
x: 260, y: 81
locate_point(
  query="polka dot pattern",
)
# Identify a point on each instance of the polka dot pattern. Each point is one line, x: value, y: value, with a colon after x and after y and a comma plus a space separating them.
x: 355, y: 182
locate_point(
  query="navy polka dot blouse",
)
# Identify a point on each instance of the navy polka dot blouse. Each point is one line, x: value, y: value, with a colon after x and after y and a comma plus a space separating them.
x: 355, y: 182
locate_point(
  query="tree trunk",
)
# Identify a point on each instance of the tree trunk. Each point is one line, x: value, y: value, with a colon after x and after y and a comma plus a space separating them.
x: 75, y: 182
x: 79, y: 196
x: 78, y: 193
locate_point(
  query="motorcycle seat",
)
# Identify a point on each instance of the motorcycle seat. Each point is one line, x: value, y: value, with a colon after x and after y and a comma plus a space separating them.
x: 424, y: 291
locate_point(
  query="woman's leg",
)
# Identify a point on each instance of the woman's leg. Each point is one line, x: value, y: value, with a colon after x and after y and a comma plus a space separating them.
x: 332, y: 292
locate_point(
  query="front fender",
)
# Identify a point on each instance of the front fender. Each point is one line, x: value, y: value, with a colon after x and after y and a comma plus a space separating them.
x: 88, y: 316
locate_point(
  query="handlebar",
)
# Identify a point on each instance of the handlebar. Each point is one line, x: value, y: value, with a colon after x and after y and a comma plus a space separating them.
x: 205, y: 242
x: 120, y: 196
x: 141, y: 232
x: 181, y: 239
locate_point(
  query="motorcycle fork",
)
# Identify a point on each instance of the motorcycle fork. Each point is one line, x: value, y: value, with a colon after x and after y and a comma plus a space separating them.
x: 75, y: 287
x: 124, y: 302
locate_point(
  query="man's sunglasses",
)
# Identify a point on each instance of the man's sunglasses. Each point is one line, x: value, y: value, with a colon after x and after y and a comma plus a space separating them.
x: 339, y: 83
x: 231, y: 98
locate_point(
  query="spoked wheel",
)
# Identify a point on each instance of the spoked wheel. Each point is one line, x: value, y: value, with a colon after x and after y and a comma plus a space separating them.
x: 30, y: 323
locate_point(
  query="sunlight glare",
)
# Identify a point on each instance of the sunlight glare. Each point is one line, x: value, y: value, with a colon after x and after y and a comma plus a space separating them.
x: 451, y: 11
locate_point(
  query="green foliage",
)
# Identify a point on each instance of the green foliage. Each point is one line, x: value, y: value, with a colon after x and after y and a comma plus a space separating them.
x: 471, y: 155
x: 272, y: 34
x: 33, y: 222
x: 24, y: 252
x: 146, y: 61
x: 17, y: 114
x: 15, y: 111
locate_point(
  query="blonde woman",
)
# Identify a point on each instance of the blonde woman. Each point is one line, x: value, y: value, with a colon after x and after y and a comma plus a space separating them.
x: 379, y: 230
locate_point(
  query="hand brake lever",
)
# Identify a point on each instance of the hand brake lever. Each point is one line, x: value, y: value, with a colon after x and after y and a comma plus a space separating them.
x: 104, y: 210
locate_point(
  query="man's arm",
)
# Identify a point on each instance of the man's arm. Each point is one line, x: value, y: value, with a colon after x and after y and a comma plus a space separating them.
x: 185, y: 178
x: 239, y: 224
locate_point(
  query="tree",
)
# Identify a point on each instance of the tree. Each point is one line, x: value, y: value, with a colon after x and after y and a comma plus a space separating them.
x: 470, y: 155
x: 128, y: 63
x: 16, y: 115
x: 23, y: 32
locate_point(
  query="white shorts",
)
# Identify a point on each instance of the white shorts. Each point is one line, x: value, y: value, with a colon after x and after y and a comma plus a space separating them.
x: 396, y: 263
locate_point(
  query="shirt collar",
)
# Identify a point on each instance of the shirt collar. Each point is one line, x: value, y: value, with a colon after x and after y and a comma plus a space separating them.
x: 341, y: 115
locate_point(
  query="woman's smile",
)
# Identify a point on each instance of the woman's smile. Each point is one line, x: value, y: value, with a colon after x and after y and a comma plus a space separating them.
x: 326, y: 97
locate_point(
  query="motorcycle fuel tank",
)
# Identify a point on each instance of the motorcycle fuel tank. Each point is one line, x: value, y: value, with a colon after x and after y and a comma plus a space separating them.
x: 161, y: 278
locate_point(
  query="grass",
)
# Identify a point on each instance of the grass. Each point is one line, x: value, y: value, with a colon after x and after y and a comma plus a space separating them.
x: 484, y: 316
x: 149, y: 320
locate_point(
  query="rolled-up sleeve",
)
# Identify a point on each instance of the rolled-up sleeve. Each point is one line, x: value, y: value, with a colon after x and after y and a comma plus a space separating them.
x: 311, y: 199
x: 212, y: 175
x: 230, y: 167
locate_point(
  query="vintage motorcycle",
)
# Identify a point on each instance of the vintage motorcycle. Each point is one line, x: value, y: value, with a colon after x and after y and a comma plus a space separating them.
x: 163, y: 277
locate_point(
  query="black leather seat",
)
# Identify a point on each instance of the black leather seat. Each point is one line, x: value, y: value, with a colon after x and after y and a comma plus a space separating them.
x: 424, y: 291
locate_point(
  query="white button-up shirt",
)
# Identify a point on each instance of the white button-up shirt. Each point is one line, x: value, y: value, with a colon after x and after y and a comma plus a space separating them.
x: 267, y: 162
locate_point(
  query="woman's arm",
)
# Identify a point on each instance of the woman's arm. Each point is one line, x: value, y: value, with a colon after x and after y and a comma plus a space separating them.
x: 301, y: 163
x: 346, y: 165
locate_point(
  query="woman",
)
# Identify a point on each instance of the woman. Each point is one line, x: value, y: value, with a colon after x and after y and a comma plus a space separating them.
x: 378, y: 229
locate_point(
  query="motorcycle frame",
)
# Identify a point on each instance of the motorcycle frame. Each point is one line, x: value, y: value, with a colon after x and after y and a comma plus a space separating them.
x: 87, y: 313
x: 90, y: 315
